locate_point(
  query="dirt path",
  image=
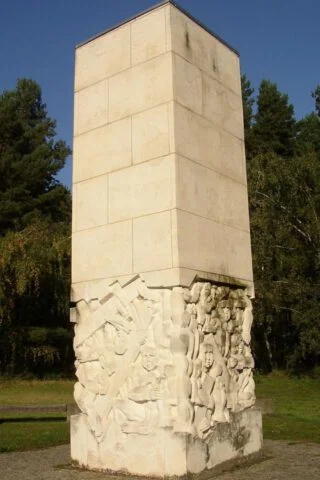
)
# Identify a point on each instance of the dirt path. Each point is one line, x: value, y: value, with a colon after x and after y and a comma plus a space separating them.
x: 281, y: 461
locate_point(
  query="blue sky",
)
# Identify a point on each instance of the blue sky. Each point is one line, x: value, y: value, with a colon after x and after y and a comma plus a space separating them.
x: 277, y: 39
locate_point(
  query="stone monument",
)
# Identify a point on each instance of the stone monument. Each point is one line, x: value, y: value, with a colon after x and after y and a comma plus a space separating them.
x: 161, y: 256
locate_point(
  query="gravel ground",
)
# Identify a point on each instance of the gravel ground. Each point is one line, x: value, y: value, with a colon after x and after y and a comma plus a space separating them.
x: 280, y: 461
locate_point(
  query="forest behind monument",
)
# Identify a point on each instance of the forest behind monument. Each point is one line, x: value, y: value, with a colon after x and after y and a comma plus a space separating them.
x: 283, y: 168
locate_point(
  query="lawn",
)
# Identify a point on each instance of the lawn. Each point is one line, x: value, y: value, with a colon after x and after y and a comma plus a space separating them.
x: 25, y: 431
x: 35, y: 392
x: 297, y: 407
x: 296, y: 417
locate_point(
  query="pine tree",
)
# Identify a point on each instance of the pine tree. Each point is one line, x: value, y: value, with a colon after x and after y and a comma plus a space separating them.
x: 35, y: 218
x: 30, y: 158
x: 308, y: 129
x: 274, y: 128
x: 316, y: 96
x: 247, y: 105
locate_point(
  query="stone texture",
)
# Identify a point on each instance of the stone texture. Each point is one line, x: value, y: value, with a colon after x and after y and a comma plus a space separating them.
x: 142, y: 87
x: 204, y: 142
x: 102, y: 58
x: 198, y: 47
x: 209, y: 194
x: 142, y: 189
x: 224, y: 249
x: 161, y: 258
x: 151, y: 134
x: 152, y: 248
x: 148, y: 36
x: 91, y: 203
x: 91, y: 252
x: 91, y: 107
x: 102, y: 150
x: 222, y: 106
x: 167, y: 372
x: 187, y: 84
x: 243, y: 436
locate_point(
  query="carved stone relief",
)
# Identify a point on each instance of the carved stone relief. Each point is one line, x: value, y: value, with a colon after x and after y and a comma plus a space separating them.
x: 178, y: 359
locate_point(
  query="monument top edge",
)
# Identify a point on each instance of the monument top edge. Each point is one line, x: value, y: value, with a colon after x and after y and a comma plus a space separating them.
x: 158, y: 5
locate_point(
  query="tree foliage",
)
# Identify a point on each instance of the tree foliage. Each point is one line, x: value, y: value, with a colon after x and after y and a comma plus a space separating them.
x: 284, y: 198
x: 34, y: 233
x: 30, y: 158
x: 248, y: 116
x: 273, y: 129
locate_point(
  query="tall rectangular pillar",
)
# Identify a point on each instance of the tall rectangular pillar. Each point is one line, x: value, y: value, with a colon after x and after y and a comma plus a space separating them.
x: 161, y: 254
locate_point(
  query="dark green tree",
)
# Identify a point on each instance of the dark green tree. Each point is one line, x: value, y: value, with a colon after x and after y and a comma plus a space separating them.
x: 285, y: 228
x: 316, y: 96
x: 284, y: 199
x: 35, y: 218
x: 274, y: 127
x: 247, y: 104
x: 30, y: 158
x: 308, y: 129
x: 34, y: 296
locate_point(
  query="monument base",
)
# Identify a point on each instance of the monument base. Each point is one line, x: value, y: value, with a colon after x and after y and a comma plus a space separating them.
x: 164, y: 453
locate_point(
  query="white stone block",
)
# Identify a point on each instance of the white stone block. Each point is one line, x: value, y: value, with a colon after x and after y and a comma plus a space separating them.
x: 91, y: 107
x: 204, y: 142
x: 161, y: 257
x: 242, y: 437
x: 222, y: 106
x: 201, y: 243
x: 102, y: 57
x: 74, y: 210
x: 209, y: 194
x: 187, y: 84
x: 252, y: 420
x: 91, y: 209
x: 150, y: 134
x: 96, y: 288
x: 148, y: 36
x: 102, y: 150
x: 239, y: 253
x: 152, y: 242
x: 203, y: 50
x: 79, y: 439
x: 102, y: 252
x: 223, y: 250
x: 135, y: 389
x: 193, y: 43
x: 228, y: 67
x: 142, y: 189
x: 142, y: 87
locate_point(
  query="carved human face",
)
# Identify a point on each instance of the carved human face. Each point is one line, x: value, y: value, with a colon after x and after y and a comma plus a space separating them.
x: 213, y: 323
x: 149, y: 360
x: 232, y: 362
x: 226, y: 312
x: 208, y: 356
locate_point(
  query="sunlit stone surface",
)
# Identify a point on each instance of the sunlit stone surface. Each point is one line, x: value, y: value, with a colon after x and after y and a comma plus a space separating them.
x: 161, y: 257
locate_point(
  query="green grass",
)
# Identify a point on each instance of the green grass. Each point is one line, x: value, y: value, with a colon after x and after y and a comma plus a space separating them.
x: 30, y: 435
x: 28, y: 432
x: 297, y: 407
x: 35, y: 392
x: 296, y: 417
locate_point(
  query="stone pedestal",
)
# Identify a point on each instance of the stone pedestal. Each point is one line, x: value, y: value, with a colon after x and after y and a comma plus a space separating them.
x: 161, y: 256
x: 165, y: 455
